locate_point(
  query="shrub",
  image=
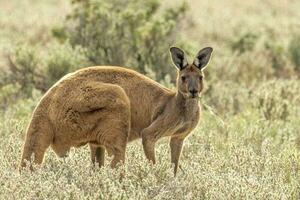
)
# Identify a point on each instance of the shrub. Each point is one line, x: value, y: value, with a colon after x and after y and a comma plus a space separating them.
x: 276, y: 99
x: 226, y: 97
x: 135, y: 34
x: 244, y: 42
x: 126, y: 33
x: 294, y: 51
x: 23, y: 69
x: 276, y: 54
x: 8, y: 94
x: 29, y: 72
x: 62, y: 60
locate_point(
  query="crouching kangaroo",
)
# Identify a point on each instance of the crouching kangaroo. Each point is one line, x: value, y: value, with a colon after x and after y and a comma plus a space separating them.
x: 108, y: 106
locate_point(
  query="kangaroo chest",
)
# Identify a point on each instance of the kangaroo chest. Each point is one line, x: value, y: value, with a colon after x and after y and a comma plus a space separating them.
x: 182, y: 125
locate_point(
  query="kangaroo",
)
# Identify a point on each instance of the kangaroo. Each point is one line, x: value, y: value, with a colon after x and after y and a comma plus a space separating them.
x: 108, y: 106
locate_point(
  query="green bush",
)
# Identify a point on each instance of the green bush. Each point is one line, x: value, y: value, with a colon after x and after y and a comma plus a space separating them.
x: 8, y: 94
x: 294, y: 51
x: 276, y: 53
x: 23, y: 69
x: 63, y: 59
x: 134, y: 34
x: 31, y: 70
x: 234, y: 101
x: 127, y: 33
x: 277, y: 99
x: 244, y: 42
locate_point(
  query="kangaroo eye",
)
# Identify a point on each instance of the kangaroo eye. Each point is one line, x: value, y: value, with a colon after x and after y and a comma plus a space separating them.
x: 200, y: 78
x: 183, y: 78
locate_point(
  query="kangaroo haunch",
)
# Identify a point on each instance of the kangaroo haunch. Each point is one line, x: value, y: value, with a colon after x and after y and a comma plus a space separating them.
x: 108, y: 106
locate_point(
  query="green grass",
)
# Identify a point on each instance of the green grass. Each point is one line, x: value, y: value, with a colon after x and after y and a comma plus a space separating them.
x: 248, y: 140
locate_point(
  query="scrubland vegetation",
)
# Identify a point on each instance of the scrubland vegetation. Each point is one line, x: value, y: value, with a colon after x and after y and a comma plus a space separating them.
x: 248, y: 141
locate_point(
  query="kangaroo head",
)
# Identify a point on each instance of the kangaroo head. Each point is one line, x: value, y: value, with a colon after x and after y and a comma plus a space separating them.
x: 190, y: 76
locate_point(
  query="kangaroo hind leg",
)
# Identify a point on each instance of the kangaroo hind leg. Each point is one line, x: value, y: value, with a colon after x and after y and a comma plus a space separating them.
x: 106, y: 109
x: 38, y: 138
x: 97, y: 155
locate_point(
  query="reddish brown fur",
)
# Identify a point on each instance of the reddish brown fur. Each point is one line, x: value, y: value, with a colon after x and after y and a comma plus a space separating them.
x: 108, y: 107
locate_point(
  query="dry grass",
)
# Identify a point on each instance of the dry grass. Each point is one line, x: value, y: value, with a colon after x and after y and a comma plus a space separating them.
x: 244, y: 157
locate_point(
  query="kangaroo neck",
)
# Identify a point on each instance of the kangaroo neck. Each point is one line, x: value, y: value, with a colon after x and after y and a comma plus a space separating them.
x: 186, y: 105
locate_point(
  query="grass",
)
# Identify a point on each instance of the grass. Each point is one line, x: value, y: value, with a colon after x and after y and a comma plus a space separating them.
x: 244, y: 157
x: 245, y: 147
x: 29, y: 22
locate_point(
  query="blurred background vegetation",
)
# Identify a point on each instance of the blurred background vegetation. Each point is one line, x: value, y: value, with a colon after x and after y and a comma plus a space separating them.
x: 41, y: 41
x: 252, y: 92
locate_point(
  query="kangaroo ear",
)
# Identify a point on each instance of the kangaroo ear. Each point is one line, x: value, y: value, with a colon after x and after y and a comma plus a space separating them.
x: 203, y: 57
x: 178, y: 58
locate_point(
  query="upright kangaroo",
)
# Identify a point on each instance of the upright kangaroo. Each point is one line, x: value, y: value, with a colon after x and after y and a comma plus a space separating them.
x: 108, y: 106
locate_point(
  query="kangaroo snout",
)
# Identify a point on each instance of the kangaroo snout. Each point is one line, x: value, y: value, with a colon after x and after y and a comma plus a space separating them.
x: 194, y: 93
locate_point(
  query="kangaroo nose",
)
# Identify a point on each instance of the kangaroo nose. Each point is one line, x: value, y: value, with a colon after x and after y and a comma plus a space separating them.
x: 193, y: 92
